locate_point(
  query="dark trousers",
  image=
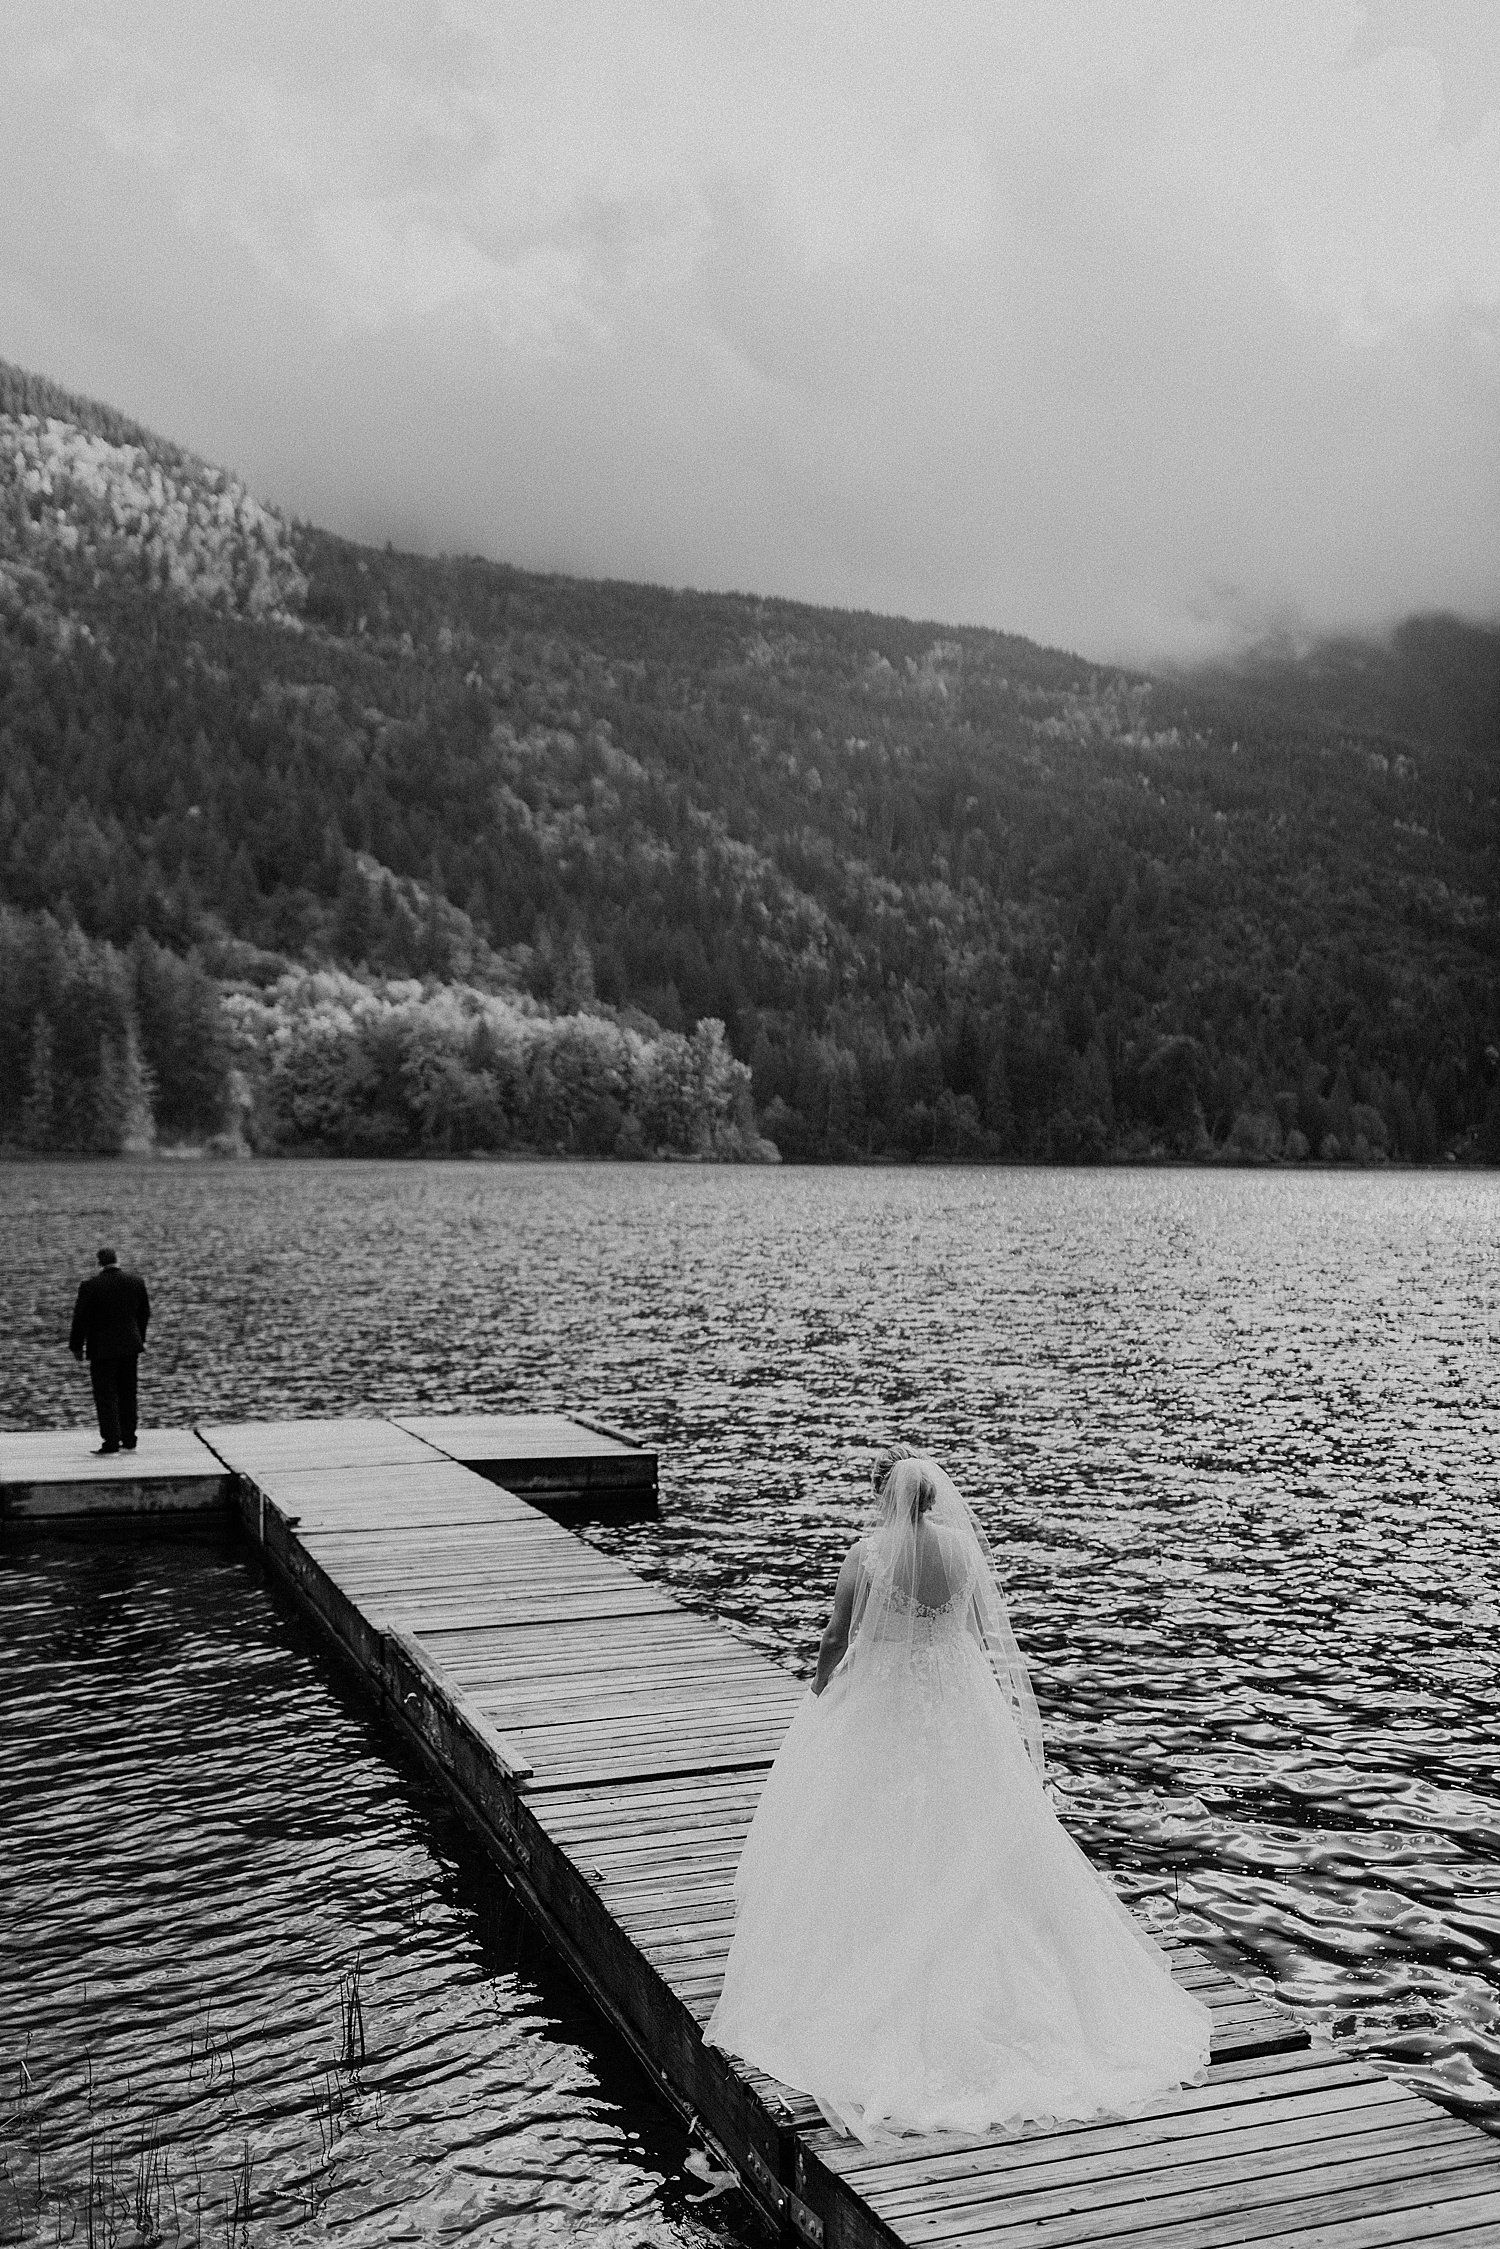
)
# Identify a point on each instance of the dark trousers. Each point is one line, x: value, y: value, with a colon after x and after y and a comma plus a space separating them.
x: 114, y: 1398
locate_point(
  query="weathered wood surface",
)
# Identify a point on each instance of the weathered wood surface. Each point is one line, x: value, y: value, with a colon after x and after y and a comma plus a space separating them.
x: 55, y: 1474
x: 613, y: 1747
x: 575, y: 1466
x: 1299, y: 2148
x: 519, y: 1436
x: 282, y: 1447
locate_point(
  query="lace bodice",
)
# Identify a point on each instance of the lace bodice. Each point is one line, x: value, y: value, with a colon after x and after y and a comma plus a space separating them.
x: 901, y: 1615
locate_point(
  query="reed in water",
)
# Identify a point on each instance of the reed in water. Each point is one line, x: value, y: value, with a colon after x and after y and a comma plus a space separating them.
x: 131, y: 2172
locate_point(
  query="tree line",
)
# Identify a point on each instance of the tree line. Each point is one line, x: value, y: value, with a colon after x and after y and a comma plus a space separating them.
x: 119, y: 1051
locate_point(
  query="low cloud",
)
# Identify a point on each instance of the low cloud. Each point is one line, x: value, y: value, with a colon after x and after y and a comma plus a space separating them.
x: 1142, y: 329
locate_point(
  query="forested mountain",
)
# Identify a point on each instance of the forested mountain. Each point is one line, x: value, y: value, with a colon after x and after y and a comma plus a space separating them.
x: 308, y: 845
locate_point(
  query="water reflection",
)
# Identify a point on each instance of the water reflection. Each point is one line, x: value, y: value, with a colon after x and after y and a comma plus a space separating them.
x: 1237, y: 1434
x: 256, y: 1979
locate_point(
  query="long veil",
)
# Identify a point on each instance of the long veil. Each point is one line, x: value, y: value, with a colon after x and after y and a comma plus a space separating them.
x: 924, y: 1555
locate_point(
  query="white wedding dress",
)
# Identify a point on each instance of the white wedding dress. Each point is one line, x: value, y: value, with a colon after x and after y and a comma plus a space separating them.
x: 918, y: 1943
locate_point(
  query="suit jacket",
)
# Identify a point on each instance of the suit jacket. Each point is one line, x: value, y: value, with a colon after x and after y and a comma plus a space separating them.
x: 109, y: 1318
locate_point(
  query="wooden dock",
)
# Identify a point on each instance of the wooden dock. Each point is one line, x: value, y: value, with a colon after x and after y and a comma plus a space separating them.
x: 611, y: 1747
x: 56, y: 1476
x: 577, y: 1468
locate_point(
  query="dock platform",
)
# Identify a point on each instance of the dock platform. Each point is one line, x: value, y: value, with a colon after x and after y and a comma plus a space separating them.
x: 58, y: 1475
x: 577, y: 1468
x: 611, y: 1746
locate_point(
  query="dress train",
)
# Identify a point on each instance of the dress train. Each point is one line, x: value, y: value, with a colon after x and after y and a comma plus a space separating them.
x: 918, y: 1942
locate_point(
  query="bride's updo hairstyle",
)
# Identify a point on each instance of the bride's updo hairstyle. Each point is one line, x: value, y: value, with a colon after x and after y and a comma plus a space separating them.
x: 904, y: 1488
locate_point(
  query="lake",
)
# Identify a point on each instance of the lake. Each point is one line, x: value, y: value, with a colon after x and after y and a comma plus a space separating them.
x: 210, y: 1852
x: 1236, y: 1436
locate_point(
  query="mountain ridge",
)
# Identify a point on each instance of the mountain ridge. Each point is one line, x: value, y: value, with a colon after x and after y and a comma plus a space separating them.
x: 948, y: 892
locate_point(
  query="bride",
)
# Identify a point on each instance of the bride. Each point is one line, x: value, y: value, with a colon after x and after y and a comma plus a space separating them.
x: 917, y: 1942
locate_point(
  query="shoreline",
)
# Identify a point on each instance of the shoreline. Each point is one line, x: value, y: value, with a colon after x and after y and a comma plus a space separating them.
x: 1218, y: 1160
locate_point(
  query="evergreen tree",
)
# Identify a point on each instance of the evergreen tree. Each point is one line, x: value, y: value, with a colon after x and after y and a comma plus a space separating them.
x: 38, y: 1114
x: 138, y: 1124
x: 109, y: 1112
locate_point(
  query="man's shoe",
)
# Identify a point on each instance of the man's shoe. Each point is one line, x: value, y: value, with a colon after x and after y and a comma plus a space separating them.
x: 106, y: 1448
x: 127, y: 1444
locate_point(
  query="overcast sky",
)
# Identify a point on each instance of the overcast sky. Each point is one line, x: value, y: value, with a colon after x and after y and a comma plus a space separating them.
x: 1137, y: 328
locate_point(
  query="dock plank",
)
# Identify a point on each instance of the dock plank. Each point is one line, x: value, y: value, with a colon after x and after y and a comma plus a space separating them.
x: 55, y: 1475
x: 256, y: 1448
x: 1262, y: 2195
x: 389, y: 1499
x: 529, y: 1436
x: 612, y: 1746
x: 1297, y: 2140
x: 961, y: 2173
x: 571, y: 1464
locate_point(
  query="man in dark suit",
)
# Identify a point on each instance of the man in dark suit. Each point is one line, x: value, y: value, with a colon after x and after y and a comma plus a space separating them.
x: 109, y: 1323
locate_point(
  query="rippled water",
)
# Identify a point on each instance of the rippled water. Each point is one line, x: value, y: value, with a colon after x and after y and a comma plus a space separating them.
x: 208, y: 1850
x: 1237, y: 1435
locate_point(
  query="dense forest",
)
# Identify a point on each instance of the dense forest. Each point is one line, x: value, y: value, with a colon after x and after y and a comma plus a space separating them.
x: 309, y: 846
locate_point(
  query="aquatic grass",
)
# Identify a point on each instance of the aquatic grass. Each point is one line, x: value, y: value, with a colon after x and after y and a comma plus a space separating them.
x: 328, y: 2114
x: 141, y: 2181
x: 23, y: 2126
x: 13, y: 2194
x: 152, y: 2173
x: 351, y: 2019
x: 213, y: 2053
x: 237, y: 2209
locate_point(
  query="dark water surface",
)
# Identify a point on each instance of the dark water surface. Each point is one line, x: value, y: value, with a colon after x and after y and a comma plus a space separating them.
x: 209, y: 1849
x: 1237, y: 1436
